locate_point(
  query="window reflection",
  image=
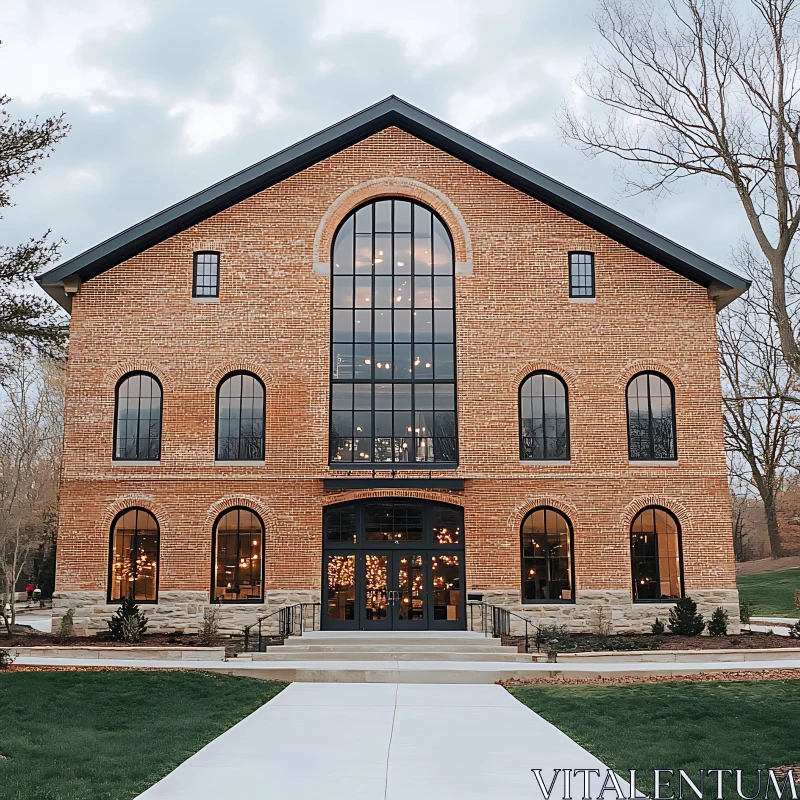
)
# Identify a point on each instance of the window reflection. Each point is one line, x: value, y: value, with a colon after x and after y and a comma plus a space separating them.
x: 655, y: 556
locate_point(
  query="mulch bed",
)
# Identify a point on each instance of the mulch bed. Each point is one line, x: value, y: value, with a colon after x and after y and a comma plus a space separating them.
x: 39, y: 639
x: 705, y: 677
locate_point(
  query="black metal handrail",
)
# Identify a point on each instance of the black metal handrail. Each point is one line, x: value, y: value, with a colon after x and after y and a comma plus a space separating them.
x: 291, y: 622
x: 496, y: 621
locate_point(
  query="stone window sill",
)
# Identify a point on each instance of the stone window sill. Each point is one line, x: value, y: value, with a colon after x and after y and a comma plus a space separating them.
x: 634, y: 463
x: 548, y: 462
x: 583, y: 299
x: 239, y: 463
x: 202, y: 300
x: 119, y: 462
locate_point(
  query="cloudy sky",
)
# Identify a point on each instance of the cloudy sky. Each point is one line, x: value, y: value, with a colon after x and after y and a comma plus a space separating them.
x: 166, y: 97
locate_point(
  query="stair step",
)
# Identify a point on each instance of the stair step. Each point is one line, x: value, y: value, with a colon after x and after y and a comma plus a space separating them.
x: 381, y: 647
x: 282, y: 654
x: 369, y: 639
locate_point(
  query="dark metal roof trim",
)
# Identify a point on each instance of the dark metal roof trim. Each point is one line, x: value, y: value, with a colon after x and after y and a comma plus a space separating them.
x: 444, y: 484
x: 393, y: 111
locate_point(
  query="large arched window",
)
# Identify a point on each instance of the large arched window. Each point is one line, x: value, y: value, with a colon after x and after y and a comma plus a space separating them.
x: 547, y: 560
x: 240, y: 418
x: 137, y: 418
x: 133, y: 562
x: 543, y: 418
x: 656, y: 556
x: 238, y: 557
x: 651, y: 418
x: 393, y: 366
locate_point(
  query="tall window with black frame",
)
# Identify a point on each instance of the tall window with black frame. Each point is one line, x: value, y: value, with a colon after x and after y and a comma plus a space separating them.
x: 137, y: 419
x: 581, y: 275
x: 393, y: 373
x: 546, y: 544
x: 206, y: 275
x: 651, y: 418
x: 543, y: 418
x: 240, y: 418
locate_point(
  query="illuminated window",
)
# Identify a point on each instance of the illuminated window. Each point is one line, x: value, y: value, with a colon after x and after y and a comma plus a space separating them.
x: 656, y: 556
x: 547, y: 560
x: 393, y: 337
x: 133, y: 568
x: 238, y: 557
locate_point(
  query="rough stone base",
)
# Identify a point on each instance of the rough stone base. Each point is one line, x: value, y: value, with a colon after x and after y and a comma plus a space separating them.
x: 178, y: 611
x: 608, y: 611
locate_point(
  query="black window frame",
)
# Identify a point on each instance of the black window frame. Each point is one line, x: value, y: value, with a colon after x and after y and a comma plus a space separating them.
x: 658, y: 566
x: 262, y: 457
x: 373, y: 381
x: 197, y: 253
x: 548, y: 601
x: 109, y: 584
x: 572, y: 287
x: 558, y: 377
x: 250, y: 601
x: 123, y: 379
x: 651, y: 455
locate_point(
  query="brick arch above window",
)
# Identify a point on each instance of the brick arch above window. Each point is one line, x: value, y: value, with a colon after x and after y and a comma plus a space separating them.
x: 389, y: 494
x: 678, y: 510
x: 134, y: 500
x: 543, y: 365
x: 255, y: 368
x: 633, y: 368
x: 516, y: 517
x: 117, y: 373
x: 255, y: 504
x: 392, y: 187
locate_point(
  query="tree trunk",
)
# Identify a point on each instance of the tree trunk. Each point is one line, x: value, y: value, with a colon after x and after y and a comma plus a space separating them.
x: 771, y: 513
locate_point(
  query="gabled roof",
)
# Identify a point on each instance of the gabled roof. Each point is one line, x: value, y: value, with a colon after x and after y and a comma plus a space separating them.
x: 59, y: 282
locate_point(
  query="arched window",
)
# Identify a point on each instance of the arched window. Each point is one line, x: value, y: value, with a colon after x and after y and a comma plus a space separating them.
x: 543, y: 418
x: 651, y: 418
x: 393, y: 368
x: 133, y: 562
x: 238, y: 557
x: 656, y: 556
x: 240, y: 418
x: 137, y: 418
x: 547, y: 560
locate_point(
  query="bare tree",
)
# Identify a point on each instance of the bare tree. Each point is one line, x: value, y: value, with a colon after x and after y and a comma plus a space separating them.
x: 31, y: 425
x: 761, y: 401
x: 703, y: 87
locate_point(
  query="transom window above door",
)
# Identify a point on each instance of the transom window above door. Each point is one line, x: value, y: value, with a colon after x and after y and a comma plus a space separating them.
x: 393, y: 367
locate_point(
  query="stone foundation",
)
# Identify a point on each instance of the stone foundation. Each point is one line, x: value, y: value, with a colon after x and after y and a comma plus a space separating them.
x: 610, y: 609
x: 178, y: 611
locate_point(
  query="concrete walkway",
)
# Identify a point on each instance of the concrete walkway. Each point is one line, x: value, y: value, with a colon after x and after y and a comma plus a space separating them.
x: 343, y: 741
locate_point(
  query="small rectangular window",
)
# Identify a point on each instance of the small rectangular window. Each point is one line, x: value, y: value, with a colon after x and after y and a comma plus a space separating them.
x: 581, y: 274
x: 206, y: 275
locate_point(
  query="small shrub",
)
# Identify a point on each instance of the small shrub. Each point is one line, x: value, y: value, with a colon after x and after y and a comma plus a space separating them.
x: 745, y: 610
x: 128, y: 623
x: 684, y: 619
x: 657, y: 627
x: 554, y: 637
x: 6, y: 659
x: 602, y: 622
x: 718, y: 624
x: 210, y: 624
x: 66, y: 627
x: 794, y: 630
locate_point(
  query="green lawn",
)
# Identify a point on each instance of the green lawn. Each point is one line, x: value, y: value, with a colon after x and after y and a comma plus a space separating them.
x: 771, y: 594
x: 95, y: 735
x: 682, y: 725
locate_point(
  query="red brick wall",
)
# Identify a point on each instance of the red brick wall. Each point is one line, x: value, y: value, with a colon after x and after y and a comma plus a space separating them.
x: 513, y: 314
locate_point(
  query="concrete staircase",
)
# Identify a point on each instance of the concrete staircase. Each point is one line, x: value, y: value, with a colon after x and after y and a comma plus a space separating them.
x: 322, y: 646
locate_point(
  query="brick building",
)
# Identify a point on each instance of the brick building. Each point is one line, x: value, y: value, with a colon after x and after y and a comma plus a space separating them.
x: 392, y: 370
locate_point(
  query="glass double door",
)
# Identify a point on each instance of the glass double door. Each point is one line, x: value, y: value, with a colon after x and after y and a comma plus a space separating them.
x: 395, y: 590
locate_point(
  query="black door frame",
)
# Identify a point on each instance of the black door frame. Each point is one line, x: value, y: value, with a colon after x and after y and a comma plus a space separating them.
x: 426, y: 547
